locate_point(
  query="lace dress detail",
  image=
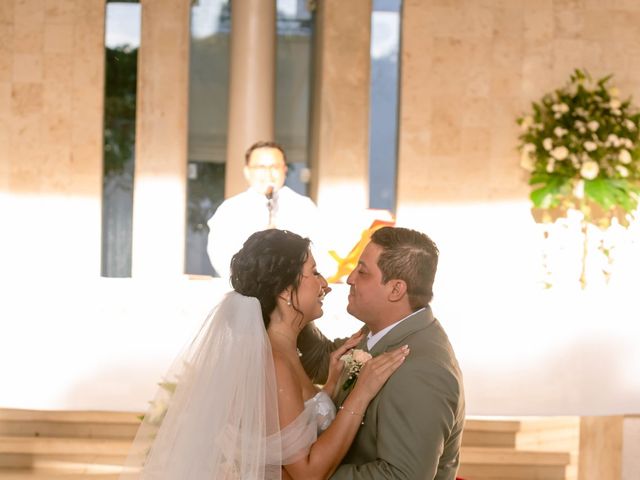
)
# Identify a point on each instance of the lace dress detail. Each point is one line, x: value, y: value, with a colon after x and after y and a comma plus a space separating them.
x: 324, y: 409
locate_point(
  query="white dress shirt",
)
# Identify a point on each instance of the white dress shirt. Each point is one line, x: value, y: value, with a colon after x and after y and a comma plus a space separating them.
x: 246, y: 213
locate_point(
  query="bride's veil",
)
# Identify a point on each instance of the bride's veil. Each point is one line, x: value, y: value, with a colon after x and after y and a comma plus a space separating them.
x: 222, y: 418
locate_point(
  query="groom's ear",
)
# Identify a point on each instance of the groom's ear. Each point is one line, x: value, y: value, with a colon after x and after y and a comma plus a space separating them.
x: 398, y: 290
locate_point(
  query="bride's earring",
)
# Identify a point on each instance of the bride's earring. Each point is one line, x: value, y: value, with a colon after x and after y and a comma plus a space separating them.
x: 289, y: 301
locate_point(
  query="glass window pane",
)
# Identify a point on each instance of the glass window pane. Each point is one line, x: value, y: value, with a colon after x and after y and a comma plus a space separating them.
x: 122, y: 39
x: 293, y: 74
x: 383, y: 121
x: 208, y: 117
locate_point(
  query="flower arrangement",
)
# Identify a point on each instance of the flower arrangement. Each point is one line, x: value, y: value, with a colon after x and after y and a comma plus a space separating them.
x: 353, y: 362
x: 159, y: 406
x: 581, y: 146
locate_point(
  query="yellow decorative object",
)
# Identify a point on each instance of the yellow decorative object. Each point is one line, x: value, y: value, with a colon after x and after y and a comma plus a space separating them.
x: 348, y: 263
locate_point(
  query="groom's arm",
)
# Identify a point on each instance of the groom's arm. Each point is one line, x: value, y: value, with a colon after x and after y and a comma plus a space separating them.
x: 415, y: 417
x: 316, y: 349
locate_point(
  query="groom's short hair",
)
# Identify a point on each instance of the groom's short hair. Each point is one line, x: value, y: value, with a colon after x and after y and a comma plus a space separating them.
x: 410, y: 256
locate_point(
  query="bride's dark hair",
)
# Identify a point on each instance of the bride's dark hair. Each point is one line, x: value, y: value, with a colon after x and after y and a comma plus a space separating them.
x: 269, y: 262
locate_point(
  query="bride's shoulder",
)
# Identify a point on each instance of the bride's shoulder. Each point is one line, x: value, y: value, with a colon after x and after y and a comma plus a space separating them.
x: 286, y: 378
x: 282, y: 364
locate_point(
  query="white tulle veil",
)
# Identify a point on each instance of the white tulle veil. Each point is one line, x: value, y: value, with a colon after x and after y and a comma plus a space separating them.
x: 218, y: 415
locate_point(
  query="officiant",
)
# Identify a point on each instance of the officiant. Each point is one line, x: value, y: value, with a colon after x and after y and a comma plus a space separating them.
x: 267, y: 203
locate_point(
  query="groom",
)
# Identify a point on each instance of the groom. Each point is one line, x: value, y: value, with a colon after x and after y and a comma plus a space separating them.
x: 413, y: 428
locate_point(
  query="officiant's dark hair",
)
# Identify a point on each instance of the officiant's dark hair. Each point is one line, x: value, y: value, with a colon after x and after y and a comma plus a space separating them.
x: 263, y: 144
x: 268, y: 263
x: 411, y: 256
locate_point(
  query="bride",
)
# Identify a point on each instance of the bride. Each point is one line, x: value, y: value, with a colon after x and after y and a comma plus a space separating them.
x: 242, y: 406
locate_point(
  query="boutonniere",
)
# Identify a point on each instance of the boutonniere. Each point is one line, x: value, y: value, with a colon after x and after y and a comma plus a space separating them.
x: 354, y: 361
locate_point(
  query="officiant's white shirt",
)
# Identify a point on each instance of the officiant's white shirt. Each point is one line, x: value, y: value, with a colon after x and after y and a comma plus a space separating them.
x: 246, y: 213
x: 373, y: 339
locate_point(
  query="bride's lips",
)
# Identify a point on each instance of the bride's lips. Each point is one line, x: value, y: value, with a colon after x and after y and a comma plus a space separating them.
x: 323, y: 293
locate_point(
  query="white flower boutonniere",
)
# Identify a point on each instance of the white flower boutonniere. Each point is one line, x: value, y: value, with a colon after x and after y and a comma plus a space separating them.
x: 354, y: 361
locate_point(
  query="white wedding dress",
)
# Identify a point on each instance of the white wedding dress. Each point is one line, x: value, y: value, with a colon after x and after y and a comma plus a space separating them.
x: 221, y: 422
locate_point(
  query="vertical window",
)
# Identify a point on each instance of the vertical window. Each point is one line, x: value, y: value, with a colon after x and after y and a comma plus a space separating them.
x: 293, y: 87
x: 122, y: 39
x: 383, y: 120
x: 208, y: 120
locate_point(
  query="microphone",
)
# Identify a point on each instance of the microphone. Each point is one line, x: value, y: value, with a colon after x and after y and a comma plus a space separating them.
x: 269, y: 195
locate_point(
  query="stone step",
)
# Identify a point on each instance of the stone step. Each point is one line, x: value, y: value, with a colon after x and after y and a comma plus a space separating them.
x: 68, y: 416
x: 38, y: 461
x: 96, y: 444
x: 48, y: 475
x: 490, y: 433
x: 490, y: 463
x: 34, y: 423
x: 63, y: 446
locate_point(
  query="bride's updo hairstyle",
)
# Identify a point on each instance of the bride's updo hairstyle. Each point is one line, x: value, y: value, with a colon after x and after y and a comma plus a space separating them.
x: 269, y: 262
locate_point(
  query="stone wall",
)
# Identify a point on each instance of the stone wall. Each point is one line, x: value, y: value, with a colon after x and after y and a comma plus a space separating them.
x: 51, y: 110
x: 470, y: 68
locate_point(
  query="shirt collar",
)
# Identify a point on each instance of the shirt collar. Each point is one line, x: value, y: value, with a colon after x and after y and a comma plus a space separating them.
x: 373, y: 339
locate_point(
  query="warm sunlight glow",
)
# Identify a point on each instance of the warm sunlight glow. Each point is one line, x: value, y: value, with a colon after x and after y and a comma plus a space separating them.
x: 82, y: 342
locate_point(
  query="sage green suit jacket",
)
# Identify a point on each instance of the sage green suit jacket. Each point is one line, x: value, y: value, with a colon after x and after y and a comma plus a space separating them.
x: 413, y: 428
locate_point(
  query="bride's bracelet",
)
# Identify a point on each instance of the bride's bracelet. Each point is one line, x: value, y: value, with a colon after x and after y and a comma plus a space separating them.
x: 351, y: 412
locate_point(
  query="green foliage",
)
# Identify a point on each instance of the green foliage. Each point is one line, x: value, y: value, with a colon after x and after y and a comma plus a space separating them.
x: 581, y: 145
x: 119, y: 107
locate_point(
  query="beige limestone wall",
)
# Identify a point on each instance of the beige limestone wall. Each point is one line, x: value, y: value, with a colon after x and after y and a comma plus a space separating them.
x: 51, y: 108
x: 340, y: 123
x: 470, y: 68
x: 159, y: 204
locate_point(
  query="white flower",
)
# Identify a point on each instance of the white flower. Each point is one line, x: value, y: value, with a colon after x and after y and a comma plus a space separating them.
x: 630, y: 125
x: 614, y: 92
x: 614, y: 103
x: 560, y: 107
x: 361, y: 356
x: 623, y: 171
x: 624, y: 156
x: 527, y: 162
x: 590, y: 146
x: 560, y: 153
x: 593, y: 125
x: 589, y: 170
x: 560, y: 132
x: 578, y: 190
x: 581, y: 112
x: 550, y: 165
x: 157, y: 412
x: 354, y: 361
x: 547, y: 143
x: 613, y: 140
x: 616, y: 111
x: 626, y: 142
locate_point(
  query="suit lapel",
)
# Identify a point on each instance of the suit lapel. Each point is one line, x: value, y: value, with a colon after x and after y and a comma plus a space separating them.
x: 395, y: 337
